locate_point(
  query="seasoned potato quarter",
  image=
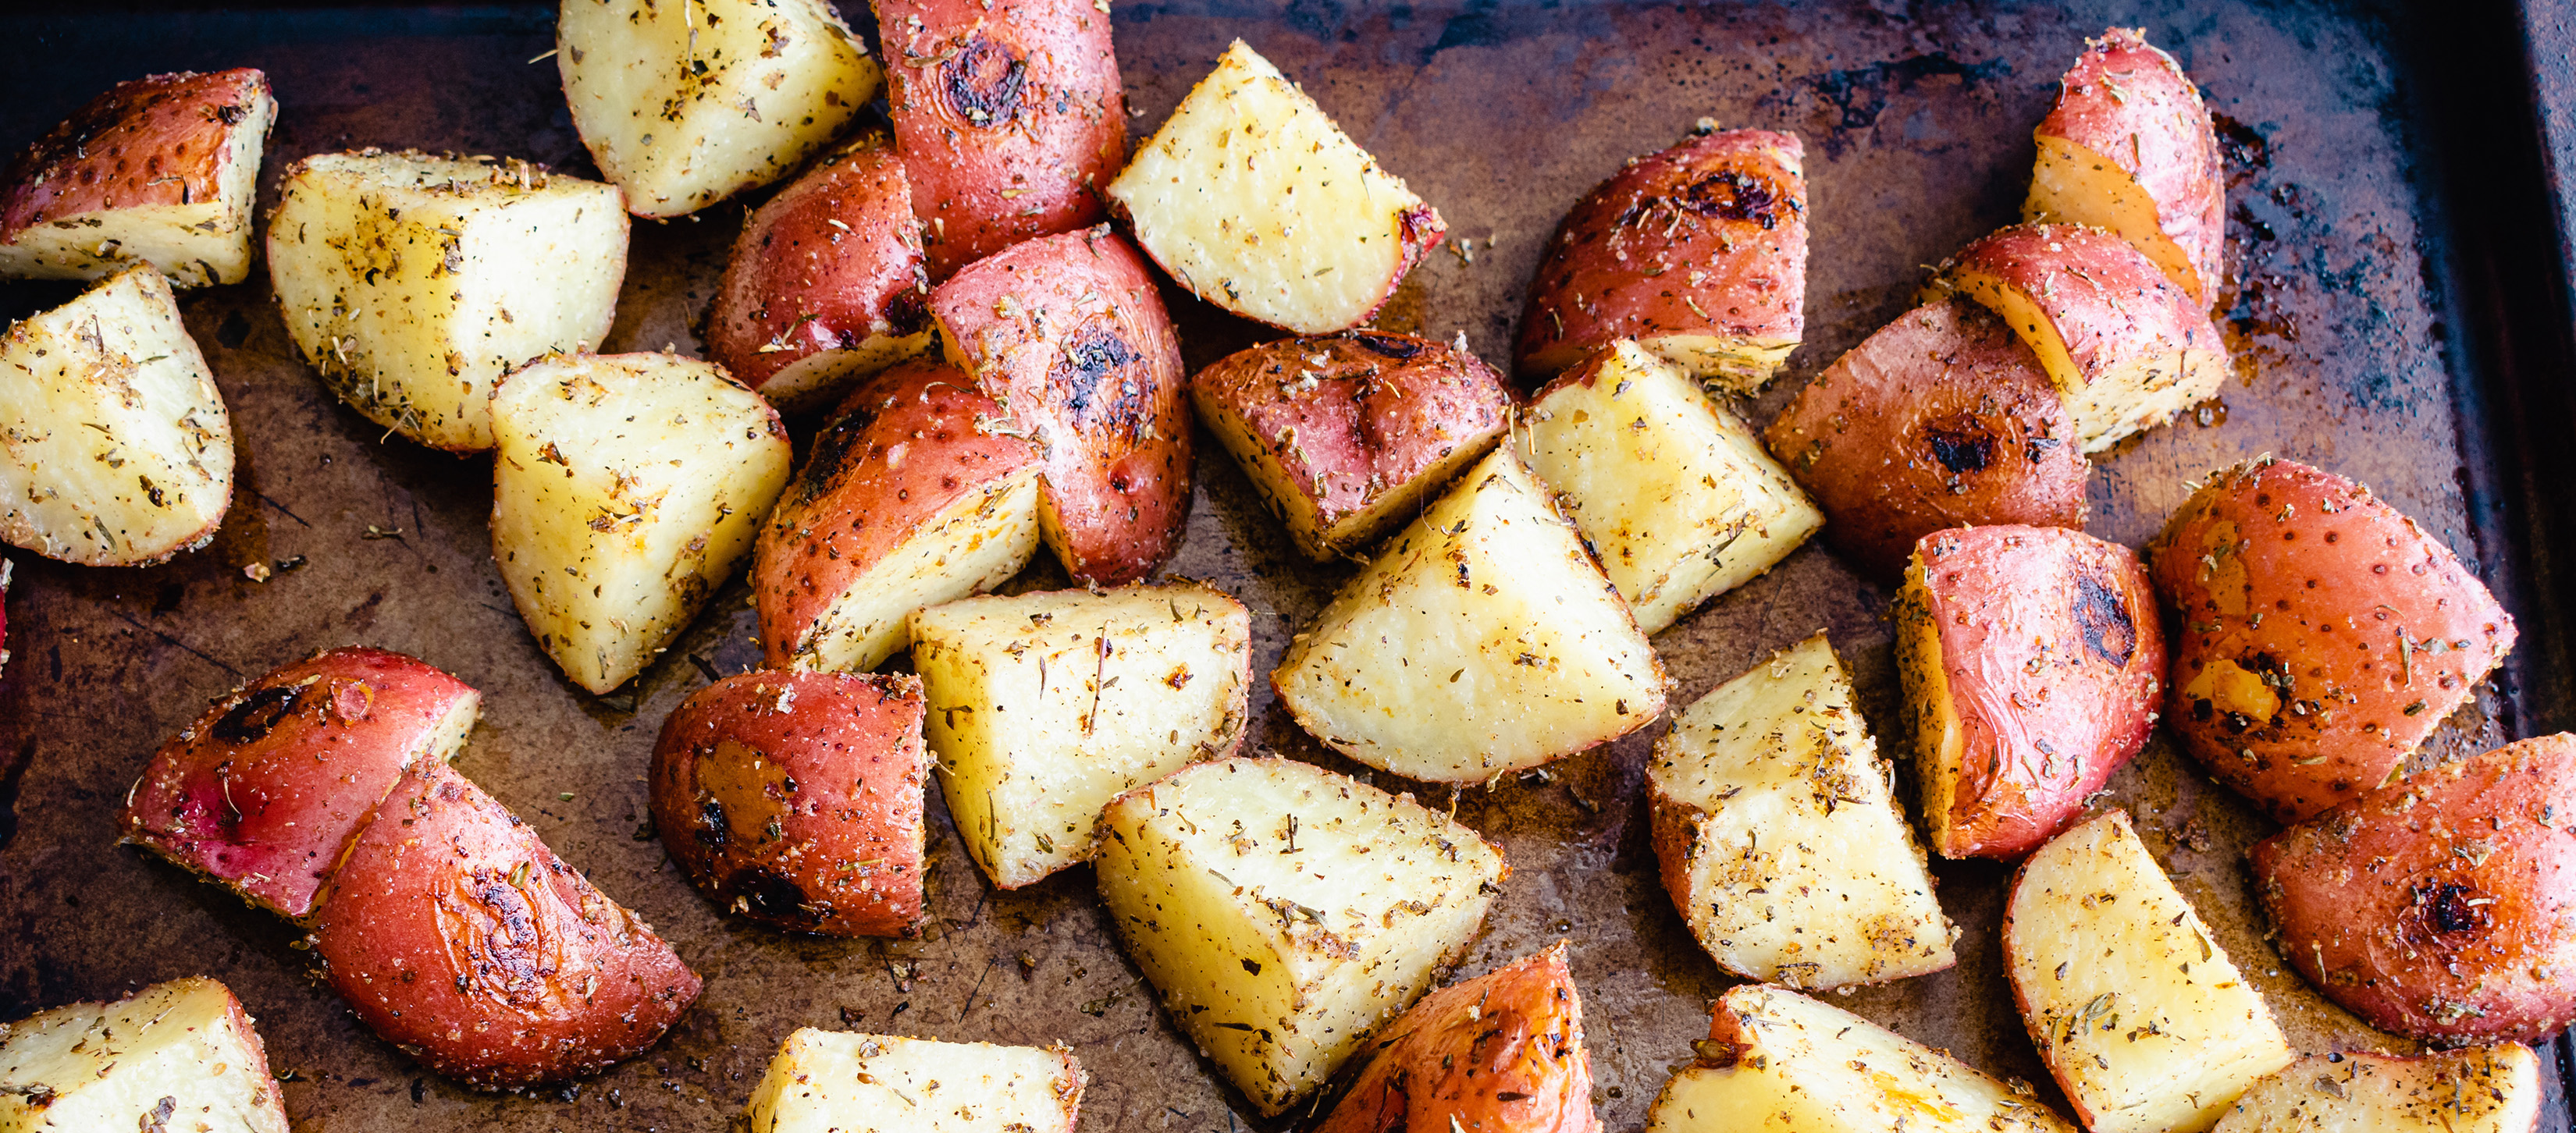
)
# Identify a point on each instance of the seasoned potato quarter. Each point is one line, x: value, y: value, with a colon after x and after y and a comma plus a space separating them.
x: 2129, y: 148
x: 833, y: 1081
x: 159, y: 170
x: 174, y: 1056
x: 1501, y: 1051
x: 2488, y: 1089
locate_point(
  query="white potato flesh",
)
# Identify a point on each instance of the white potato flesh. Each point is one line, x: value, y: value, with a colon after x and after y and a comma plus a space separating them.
x: 839, y: 1082
x: 686, y: 102
x: 175, y: 1056
x: 194, y: 244
x: 1782, y: 821
x: 1255, y: 201
x: 2138, y: 1012
x: 2487, y: 1089
x: 2136, y: 392
x: 978, y: 543
x: 1675, y: 494
x: 1481, y: 641
x: 412, y: 283
x: 625, y: 489
x: 1044, y: 707
x: 1285, y: 912
x: 114, y: 446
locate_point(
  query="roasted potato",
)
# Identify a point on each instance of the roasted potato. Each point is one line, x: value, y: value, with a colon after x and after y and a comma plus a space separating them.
x: 159, y: 170
x: 1286, y: 912
x: 2033, y: 662
x: 1770, y: 786
x: 5, y: 568
x: 1669, y: 488
x: 1941, y: 419
x: 683, y: 105
x: 906, y: 501
x: 2318, y: 634
x: 1508, y: 647
x: 2489, y: 1089
x: 1435, y: 1064
x: 1698, y: 253
x: 412, y: 282
x: 2141, y: 1017
x: 174, y: 1056
x: 2129, y: 148
x: 115, y: 449
x: 835, y: 1081
x: 1010, y: 116
x: 794, y: 799
x: 1345, y: 435
x: 1255, y: 201
x: 266, y: 791
x: 458, y: 936
x: 1069, y: 335
x: 1145, y: 679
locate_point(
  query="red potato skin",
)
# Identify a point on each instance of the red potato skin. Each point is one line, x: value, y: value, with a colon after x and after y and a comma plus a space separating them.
x: 1732, y: 205
x: 1502, y: 1051
x: 265, y: 792
x: 155, y: 141
x: 2441, y: 906
x: 1942, y: 419
x: 458, y: 936
x: 1070, y: 335
x: 2107, y: 300
x: 2307, y: 582
x: 2129, y: 102
x: 795, y: 799
x: 1009, y: 115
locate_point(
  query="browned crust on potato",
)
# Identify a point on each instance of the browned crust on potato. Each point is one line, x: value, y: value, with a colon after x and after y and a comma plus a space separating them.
x: 1502, y: 1051
x: 832, y: 261
x: 155, y: 141
x: 2128, y: 101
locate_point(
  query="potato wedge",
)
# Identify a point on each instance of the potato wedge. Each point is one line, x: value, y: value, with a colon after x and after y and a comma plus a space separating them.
x: 411, y: 283
x: 1045, y: 706
x: 174, y: 1056
x: 159, y: 170
x: 1698, y: 253
x: 115, y: 449
x: 2129, y: 148
x: 1286, y: 912
x: 1254, y: 200
x: 1510, y: 649
x: 2142, y: 1018
x: 2320, y: 634
x: 1502, y: 1051
x: 836, y: 1081
x: 2489, y: 1089
x: 683, y: 105
x: 1668, y: 487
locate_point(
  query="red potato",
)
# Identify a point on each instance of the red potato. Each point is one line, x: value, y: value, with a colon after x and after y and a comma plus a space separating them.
x: 267, y: 790
x: 794, y: 799
x: 1502, y: 1051
x: 2318, y: 635
x: 2129, y: 148
x: 158, y: 170
x: 1941, y: 419
x: 458, y: 936
x: 1009, y: 115
x: 1698, y: 252
x: 1069, y: 335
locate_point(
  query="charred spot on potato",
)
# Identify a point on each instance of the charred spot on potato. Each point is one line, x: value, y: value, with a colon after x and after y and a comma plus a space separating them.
x: 1094, y: 355
x: 835, y: 452
x: 908, y: 312
x: 257, y: 714
x: 1961, y: 444
x: 2449, y: 909
x: 1389, y: 345
x: 984, y: 81
x: 712, y: 831
x: 772, y: 897
x: 2109, y: 634
x: 1726, y: 194
x: 513, y: 957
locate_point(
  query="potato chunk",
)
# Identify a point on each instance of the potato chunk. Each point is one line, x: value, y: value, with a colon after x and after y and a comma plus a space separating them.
x: 626, y: 487
x: 174, y: 1056
x: 837, y: 1081
x: 159, y: 170
x: 2143, y: 1019
x: 1673, y: 492
x: 412, y: 283
x: 114, y: 446
x: 2488, y: 1089
x: 1285, y: 912
x: 1502, y: 1051
x: 1482, y: 640
x: 1255, y: 201
x: 1044, y: 707
x: 2129, y: 148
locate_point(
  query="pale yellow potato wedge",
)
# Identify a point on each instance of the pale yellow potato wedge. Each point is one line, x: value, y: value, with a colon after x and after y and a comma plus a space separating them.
x: 840, y: 1082
x: 174, y: 1056
x: 2485, y: 1089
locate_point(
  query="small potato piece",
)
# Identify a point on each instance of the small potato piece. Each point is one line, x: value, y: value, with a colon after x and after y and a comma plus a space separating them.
x: 2489, y: 1089
x: 1941, y: 419
x: 1699, y: 253
x: 1778, y: 1062
x: 1044, y: 707
x: 1345, y: 435
x: 837, y: 1081
x: 2129, y: 148
x: 458, y: 936
x: 1503, y: 1051
x: 2441, y: 906
x: 683, y: 105
x: 114, y: 446
x: 266, y: 791
x: 1255, y: 201
x: 2142, y: 1018
x: 794, y: 799
x: 159, y: 170
x: 905, y: 502
x: 1770, y: 786
x: 2320, y: 635
x: 2033, y: 662
x: 1669, y: 488
x: 174, y: 1056
x: 1509, y: 648
x: 412, y: 282
x: 1286, y: 912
